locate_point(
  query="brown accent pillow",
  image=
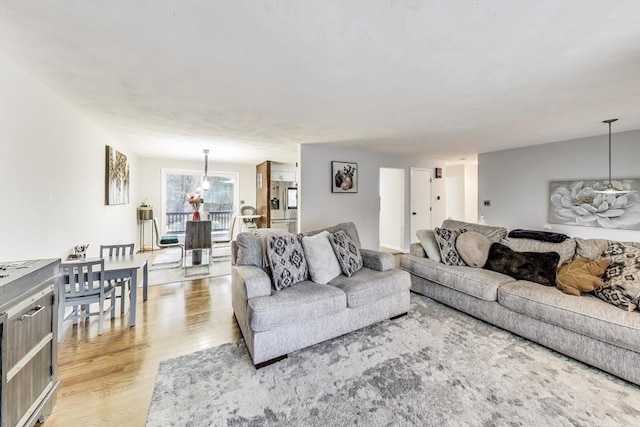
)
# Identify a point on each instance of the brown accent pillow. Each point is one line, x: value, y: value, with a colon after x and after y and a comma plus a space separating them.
x: 581, y: 275
x: 473, y: 248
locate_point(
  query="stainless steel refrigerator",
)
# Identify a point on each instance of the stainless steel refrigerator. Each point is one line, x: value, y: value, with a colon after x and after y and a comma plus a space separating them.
x: 284, y: 205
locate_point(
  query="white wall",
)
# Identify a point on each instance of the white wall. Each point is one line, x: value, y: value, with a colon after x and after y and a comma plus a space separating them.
x: 392, y: 208
x: 517, y: 181
x: 320, y: 207
x: 462, y: 192
x: 454, y: 182
x: 471, y: 192
x: 52, y: 175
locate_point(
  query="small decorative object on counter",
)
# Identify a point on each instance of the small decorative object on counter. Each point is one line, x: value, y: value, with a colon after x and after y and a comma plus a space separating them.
x: 79, y: 252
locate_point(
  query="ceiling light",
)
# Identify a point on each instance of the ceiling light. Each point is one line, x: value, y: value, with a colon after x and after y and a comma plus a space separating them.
x: 610, y: 188
x: 205, y: 181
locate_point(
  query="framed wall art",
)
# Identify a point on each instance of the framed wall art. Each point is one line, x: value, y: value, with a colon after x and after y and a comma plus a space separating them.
x: 344, y: 177
x: 116, y: 177
x: 579, y: 203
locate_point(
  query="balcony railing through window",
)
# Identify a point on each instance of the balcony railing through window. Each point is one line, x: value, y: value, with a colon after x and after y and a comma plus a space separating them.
x: 177, y: 221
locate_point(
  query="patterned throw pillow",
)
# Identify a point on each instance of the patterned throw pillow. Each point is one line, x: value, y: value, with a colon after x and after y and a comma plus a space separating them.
x: 622, y: 278
x: 287, y: 261
x: 347, y: 252
x: 446, y: 239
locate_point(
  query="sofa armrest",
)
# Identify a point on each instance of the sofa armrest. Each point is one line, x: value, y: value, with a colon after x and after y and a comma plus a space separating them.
x: 379, y: 261
x: 417, y: 250
x: 254, y: 279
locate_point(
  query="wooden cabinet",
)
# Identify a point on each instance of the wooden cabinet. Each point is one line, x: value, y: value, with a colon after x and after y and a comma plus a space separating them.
x: 28, y: 330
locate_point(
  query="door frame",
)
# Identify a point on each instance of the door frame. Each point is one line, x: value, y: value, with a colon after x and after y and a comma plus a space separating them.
x: 411, y: 201
x: 401, y: 204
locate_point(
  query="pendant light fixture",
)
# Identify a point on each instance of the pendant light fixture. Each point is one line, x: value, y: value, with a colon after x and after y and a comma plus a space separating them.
x: 610, y: 189
x: 205, y: 181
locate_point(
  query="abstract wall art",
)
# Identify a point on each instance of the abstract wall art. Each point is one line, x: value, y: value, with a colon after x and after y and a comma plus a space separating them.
x: 116, y: 177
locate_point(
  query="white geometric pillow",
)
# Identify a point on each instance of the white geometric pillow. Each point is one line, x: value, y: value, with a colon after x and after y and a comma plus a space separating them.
x: 622, y: 277
x: 446, y: 239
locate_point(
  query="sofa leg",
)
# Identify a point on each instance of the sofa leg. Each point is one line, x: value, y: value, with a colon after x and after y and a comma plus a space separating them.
x: 398, y: 316
x: 270, y: 362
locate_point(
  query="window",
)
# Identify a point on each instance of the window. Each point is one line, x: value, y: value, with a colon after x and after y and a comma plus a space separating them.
x: 219, y: 205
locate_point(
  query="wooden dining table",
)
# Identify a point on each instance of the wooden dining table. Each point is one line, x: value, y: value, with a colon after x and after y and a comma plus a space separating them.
x: 127, y: 267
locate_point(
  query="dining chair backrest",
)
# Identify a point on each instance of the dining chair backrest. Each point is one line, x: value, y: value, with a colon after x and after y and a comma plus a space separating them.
x: 230, y: 236
x: 85, y: 278
x: 116, y: 250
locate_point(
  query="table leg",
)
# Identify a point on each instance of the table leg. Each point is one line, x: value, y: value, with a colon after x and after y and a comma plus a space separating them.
x: 145, y: 283
x: 134, y: 297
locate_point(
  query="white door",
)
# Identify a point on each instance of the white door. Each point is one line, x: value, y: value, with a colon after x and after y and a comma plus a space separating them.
x: 420, y: 201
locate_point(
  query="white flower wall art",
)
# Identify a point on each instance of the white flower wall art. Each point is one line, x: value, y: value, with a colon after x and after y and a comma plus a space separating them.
x: 577, y: 203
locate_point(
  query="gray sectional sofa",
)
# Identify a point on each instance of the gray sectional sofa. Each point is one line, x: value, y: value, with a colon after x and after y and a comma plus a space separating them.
x: 277, y: 322
x: 584, y: 328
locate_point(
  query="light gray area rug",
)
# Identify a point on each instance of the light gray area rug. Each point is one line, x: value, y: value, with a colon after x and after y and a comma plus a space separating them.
x: 167, y: 267
x: 434, y: 367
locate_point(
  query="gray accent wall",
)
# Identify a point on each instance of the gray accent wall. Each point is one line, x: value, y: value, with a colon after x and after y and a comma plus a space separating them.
x: 319, y: 207
x: 516, y: 181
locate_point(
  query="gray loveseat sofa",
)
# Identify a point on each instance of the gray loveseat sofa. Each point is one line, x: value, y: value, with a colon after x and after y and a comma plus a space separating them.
x: 584, y: 328
x: 277, y: 322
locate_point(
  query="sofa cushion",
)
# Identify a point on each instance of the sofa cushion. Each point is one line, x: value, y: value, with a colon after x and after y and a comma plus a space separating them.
x: 322, y: 261
x: 249, y: 250
x: 446, y: 239
x: 586, y: 314
x: 367, y: 286
x: 287, y: 261
x: 417, y: 250
x: 346, y: 251
x: 593, y: 248
x: 473, y: 248
x: 622, y: 277
x: 167, y: 240
x: 566, y: 249
x: 252, y: 246
x: 539, y: 267
x: 347, y: 227
x: 428, y: 241
x: 297, y: 304
x: 477, y: 282
x: 494, y: 234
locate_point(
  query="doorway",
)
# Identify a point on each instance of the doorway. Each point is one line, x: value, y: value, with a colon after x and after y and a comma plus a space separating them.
x: 392, y: 213
x: 420, y: 200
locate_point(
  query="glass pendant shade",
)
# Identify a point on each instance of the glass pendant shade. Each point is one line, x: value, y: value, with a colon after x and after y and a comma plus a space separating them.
x: 205, y: 181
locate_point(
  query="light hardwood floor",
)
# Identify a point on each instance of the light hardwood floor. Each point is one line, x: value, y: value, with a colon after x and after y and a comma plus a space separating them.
x: 108, y: 380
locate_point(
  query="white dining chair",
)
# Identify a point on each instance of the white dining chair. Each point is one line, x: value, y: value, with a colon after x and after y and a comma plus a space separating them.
x: 167, y: 241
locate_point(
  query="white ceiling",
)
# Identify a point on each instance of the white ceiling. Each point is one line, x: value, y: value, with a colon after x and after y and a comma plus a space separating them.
x: 252, y: 79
